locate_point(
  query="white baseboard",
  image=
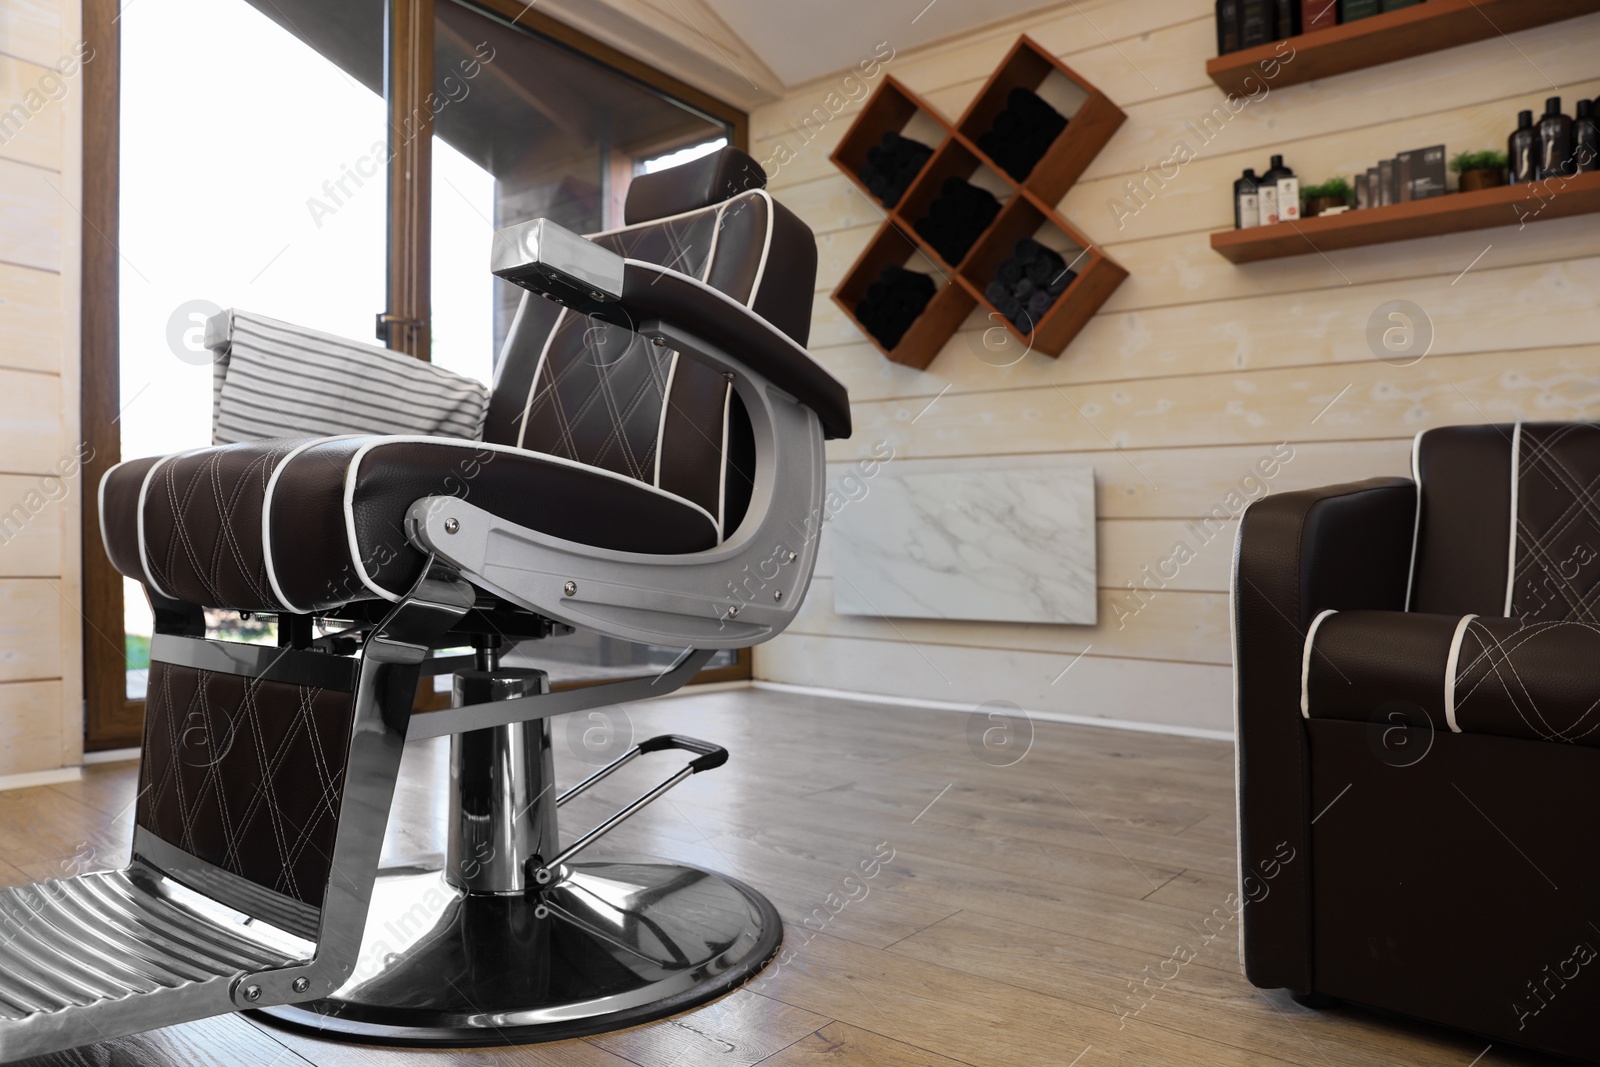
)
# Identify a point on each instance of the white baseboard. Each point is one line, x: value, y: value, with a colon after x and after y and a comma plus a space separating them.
x: 111, y: 755
x: 1042, y: 716
x: 33, y: 779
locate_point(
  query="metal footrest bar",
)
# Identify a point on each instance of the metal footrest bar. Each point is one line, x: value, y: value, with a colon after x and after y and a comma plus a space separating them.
x: 117, y: 952
x: 709, y: 757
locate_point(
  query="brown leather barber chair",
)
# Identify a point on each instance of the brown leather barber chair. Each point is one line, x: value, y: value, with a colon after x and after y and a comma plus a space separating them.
x: 1418, y: 685
x: 652, y: 450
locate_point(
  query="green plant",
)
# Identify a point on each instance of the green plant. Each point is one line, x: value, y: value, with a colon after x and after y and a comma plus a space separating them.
x: 1333, y: 187
x: 1488, y: 160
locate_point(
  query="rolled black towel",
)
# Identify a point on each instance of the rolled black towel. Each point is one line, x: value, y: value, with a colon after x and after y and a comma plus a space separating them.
x: 1060, y: 282
x: 996, y: 291
x: 1040, y: 271
x: 1010, y: 307
x: 1039, y: 303
x: 1008, y: 272
x: 1024, y: 288
x: 1027, y: 250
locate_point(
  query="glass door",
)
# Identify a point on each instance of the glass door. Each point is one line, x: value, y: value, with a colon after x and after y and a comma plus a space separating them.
x: 313, y: 176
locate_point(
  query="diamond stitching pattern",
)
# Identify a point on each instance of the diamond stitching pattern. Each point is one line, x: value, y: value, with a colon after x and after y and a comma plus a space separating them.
x: 246, y: 774
x: 1557, y: 574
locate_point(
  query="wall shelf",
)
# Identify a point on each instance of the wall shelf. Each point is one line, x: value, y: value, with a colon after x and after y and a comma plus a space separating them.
x: 1452, y: 213
x: 1026, y: 204
x: 1386, y: 38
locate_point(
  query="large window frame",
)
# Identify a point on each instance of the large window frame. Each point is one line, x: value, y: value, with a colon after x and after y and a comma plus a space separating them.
x: 111, y: 720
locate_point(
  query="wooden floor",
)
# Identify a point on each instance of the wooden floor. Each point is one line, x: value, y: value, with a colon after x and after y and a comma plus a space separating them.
x: 1020, y: 908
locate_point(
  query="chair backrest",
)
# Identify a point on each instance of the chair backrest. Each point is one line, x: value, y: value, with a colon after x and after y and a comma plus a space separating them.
x: 578, y: 389
x: 1508, y: 521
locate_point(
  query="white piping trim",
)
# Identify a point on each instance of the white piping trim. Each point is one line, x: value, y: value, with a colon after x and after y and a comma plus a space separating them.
x: 511, y: 333
x: 661, y: 426
x: 353, y: 471
x: 766, y: 247
x: 266, y: 516
x: 1238, y: 770
x: 679, y: 215
x: 1511, y: 546
x: 1416, y: 525
x: 538, y: 369
x: 722, y: 474
x: 716, y: 233
x: 745, y: 309
x: 1450, y: 664
x: 1305, y: 662
x: 100, y: 496
x: 144, y: 488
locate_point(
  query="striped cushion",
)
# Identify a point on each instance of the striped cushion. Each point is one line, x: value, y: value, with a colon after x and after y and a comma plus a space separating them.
x: 275, y: 380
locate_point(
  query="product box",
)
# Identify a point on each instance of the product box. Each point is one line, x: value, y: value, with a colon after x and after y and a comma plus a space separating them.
x: 1350, y: 10
x: 1363, y: 186
x: 1388, y: 183
x: 1421, y: 173
x: 1318, y: 14
x: 1374, y: 187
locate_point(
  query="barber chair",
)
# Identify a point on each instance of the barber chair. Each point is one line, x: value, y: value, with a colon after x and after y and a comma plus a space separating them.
x: 651, y: 453
x: 1418, y: 686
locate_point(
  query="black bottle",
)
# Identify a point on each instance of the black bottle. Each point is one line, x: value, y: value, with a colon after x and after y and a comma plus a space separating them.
x: 1246, y: 205
x: 1227, y: 26
x: 1255, y: 22
x: 1285, y: 18
x: 1555, y: 141
x: 1523, y: 150
x: 1586, y: 139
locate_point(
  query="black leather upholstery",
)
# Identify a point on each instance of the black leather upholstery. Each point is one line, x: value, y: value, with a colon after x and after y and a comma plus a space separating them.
x: 1440, y: 757
x: 699, y: 183
x: 203, y: 515
x: 592, y: 434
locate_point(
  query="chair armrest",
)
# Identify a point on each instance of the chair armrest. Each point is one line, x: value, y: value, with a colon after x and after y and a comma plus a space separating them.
x: 563, y: 266
x: 1343, y: 547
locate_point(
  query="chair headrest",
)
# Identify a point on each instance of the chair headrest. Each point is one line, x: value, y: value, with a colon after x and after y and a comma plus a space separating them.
x: 699, y: 183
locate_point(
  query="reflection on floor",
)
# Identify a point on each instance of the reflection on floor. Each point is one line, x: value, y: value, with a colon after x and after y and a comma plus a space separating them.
x: 1023, y: 906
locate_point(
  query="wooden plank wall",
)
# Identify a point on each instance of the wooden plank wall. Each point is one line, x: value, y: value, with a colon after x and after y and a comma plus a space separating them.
x: 1196, y: 369
x: 41, y: 690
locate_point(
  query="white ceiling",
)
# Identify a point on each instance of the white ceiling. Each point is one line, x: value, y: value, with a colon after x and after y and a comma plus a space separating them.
x: 805, y: 39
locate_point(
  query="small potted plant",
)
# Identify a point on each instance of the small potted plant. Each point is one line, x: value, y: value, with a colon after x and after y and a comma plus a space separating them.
x: 1335, y: 192
x: 1480, y: 170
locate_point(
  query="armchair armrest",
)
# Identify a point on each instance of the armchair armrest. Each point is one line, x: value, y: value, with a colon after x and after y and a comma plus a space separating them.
x: 562, y: 266
x: 1343, y: 547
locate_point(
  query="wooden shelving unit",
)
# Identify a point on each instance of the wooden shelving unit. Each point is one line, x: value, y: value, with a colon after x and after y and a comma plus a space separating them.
x: 1385, y: 38
x: 1507, y: 205
x: 1026, y: 206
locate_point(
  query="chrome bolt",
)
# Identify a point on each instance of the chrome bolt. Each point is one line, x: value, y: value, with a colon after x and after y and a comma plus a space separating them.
x: 451, y: 526
x: 727, y: 376
x: 659, y: 342
x: 595, y: 296
x: 793, y: 556
x: 252, y: 993
x: 777, y: 594
x: 570, y: 589
x: 541, y: 911
x: 733, y: 612
x: 543, y: 876
x: 302, y: 984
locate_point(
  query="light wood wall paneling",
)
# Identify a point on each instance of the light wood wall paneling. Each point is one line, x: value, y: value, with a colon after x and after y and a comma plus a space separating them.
x: 30, y: 422
x: 31, y: 324
x: 1175, y: 694
x: 30, y: 216
x: 31, y: 30
x: 35, y: 139
x: 30, y: 716
x: 30, y: 540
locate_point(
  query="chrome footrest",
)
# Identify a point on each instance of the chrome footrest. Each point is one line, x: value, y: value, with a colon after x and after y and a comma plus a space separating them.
x: 113, y: 953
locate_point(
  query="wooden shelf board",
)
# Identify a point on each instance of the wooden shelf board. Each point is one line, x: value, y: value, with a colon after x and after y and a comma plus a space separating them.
x: 1452, y: 213
x: 1385, y: 38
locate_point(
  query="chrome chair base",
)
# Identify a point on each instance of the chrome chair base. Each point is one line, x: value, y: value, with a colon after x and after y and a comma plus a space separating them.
x: 612, y: 944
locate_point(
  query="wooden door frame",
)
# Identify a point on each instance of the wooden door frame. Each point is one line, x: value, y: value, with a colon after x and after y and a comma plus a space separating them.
x: 111, y: 720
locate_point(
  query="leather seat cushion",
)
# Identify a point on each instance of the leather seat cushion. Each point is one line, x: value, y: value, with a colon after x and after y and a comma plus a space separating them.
x: 309, y: 524
x: 1466, y: 673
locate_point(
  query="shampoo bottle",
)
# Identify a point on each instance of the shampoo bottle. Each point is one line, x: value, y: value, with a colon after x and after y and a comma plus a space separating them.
x: 1274, y: 184
x: 1523, y: 150
x: 1246, y: 201
x: 1555, y: 141
x: 1586, y: 139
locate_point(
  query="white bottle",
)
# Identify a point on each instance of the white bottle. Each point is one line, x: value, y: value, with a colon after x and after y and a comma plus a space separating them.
x: 1267, y: 203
